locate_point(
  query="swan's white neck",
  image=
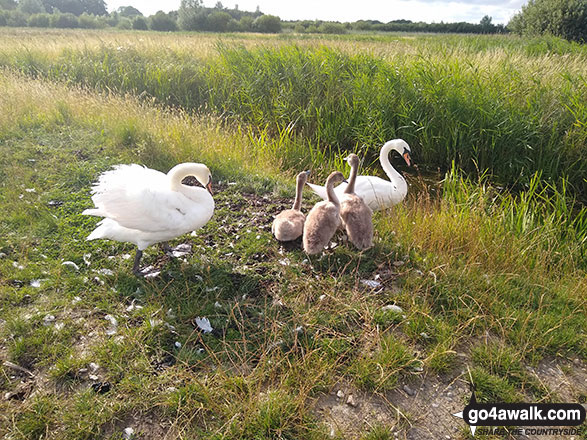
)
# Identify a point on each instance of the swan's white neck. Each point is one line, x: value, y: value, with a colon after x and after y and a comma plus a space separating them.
x: 194, y: 193
x: 181, y: 171
x: 394, y: 176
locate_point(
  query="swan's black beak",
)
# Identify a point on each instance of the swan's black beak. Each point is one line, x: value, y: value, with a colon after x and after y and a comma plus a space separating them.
x: 209, y: 186
x: 407, y: 158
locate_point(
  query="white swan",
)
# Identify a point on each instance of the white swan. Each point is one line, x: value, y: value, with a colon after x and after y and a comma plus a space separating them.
x: 378, y: 193
x: 144, y: 206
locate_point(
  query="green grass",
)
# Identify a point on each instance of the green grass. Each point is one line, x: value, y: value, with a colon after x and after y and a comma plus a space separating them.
x: 478, y: 102
x: 476, y: 269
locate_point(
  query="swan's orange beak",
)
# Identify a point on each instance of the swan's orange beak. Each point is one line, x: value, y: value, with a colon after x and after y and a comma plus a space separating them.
x: 407, y: 158
x: 209, y: 186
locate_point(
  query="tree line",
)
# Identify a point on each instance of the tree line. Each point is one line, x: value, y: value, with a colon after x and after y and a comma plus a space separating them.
x: 191, y: 16
x: 562, y: 18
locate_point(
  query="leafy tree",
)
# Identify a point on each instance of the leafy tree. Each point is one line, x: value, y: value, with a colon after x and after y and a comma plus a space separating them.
x: 31, y: 6
x: 76, y: 7
x: 487, y: 26
x: 124, y: 23
x: 562, y: 18
x: 129, y: 11
x: 332, y: 28
x: 66, y: 20
x: 16, y: 18
x: 87, y: 21
x: 39, y: 20
x: 246, y: 23
x: 268, y: 24
x: 163, y: 22
x: 191, y: 15
x: 140, y: 24
x: 218, y: 21
x: 8, y: 4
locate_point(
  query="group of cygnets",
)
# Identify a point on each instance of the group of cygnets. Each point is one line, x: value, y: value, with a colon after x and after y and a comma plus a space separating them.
x: 317, y: 229
x: 344, y: 206
x: 144, y: 206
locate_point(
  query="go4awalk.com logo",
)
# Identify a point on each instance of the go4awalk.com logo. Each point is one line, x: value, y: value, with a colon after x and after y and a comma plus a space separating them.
x: 522, y: 414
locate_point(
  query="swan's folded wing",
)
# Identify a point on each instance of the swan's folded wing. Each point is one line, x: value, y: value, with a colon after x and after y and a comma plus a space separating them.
x: 139, y: 198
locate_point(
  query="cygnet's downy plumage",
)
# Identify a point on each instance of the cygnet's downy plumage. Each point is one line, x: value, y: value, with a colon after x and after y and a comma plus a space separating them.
x: 288, y: 225
x: 356, y: 216
x: 324, y: 218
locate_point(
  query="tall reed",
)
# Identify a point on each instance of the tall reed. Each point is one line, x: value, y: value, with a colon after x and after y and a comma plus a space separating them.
x: 503, y: 113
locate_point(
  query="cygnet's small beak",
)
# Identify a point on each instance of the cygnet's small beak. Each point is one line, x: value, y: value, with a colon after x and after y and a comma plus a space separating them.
x: 345, y: 181
x: 307, y: 172
x: 209, y: 186
x: 407, y: 158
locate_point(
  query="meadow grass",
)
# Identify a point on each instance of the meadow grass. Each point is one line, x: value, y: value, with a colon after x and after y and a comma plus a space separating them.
x: 474, y: 262
x: 488, y: 280
x: 481, y: 101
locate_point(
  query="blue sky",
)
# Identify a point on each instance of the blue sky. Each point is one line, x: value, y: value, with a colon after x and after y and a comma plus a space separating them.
x: 343, y: 10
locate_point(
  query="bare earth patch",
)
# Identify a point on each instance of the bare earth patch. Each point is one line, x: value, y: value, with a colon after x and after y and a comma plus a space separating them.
x: 422, y: 407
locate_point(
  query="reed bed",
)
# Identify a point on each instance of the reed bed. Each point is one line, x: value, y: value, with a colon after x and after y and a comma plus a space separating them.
x: 479, y: 102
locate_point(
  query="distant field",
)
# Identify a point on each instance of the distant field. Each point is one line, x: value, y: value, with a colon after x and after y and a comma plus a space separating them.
x: 486, y: 262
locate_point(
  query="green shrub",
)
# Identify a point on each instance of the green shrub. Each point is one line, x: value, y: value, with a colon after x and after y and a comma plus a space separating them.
x: 332, y: 28
x: 39, y: 20
x: 267, y: 24
x: 64, y: 21
x: 16, y: 19
x: 218, y: 21
x: 163, y: 22
x: 124, y: 23
x: 140, y: 24
x: 31, y: 7
x: 562, y: 18
x: 87, y: 21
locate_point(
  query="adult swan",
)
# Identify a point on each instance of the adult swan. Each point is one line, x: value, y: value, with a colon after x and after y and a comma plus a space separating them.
x: 378, y: 193
x: 144, y: 206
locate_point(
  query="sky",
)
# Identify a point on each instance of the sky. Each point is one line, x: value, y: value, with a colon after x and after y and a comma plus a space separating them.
x: 348, y: 11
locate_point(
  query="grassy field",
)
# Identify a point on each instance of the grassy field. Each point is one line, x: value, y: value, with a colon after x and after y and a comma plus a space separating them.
x: 481, y: 102
x: 490, y: 285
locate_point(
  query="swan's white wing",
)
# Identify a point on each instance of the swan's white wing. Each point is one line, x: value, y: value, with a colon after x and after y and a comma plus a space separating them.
x: 378, y: 193
x: 139, y: 198
x: 321, y: 190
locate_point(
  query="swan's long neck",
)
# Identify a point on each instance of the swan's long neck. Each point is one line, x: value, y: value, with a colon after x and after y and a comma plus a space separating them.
x: 177, y: 174
x: 350, y: 188
x: 330, y: 192
x: 394, y: 176
x: 180, y: 172
x: 299, y: 190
